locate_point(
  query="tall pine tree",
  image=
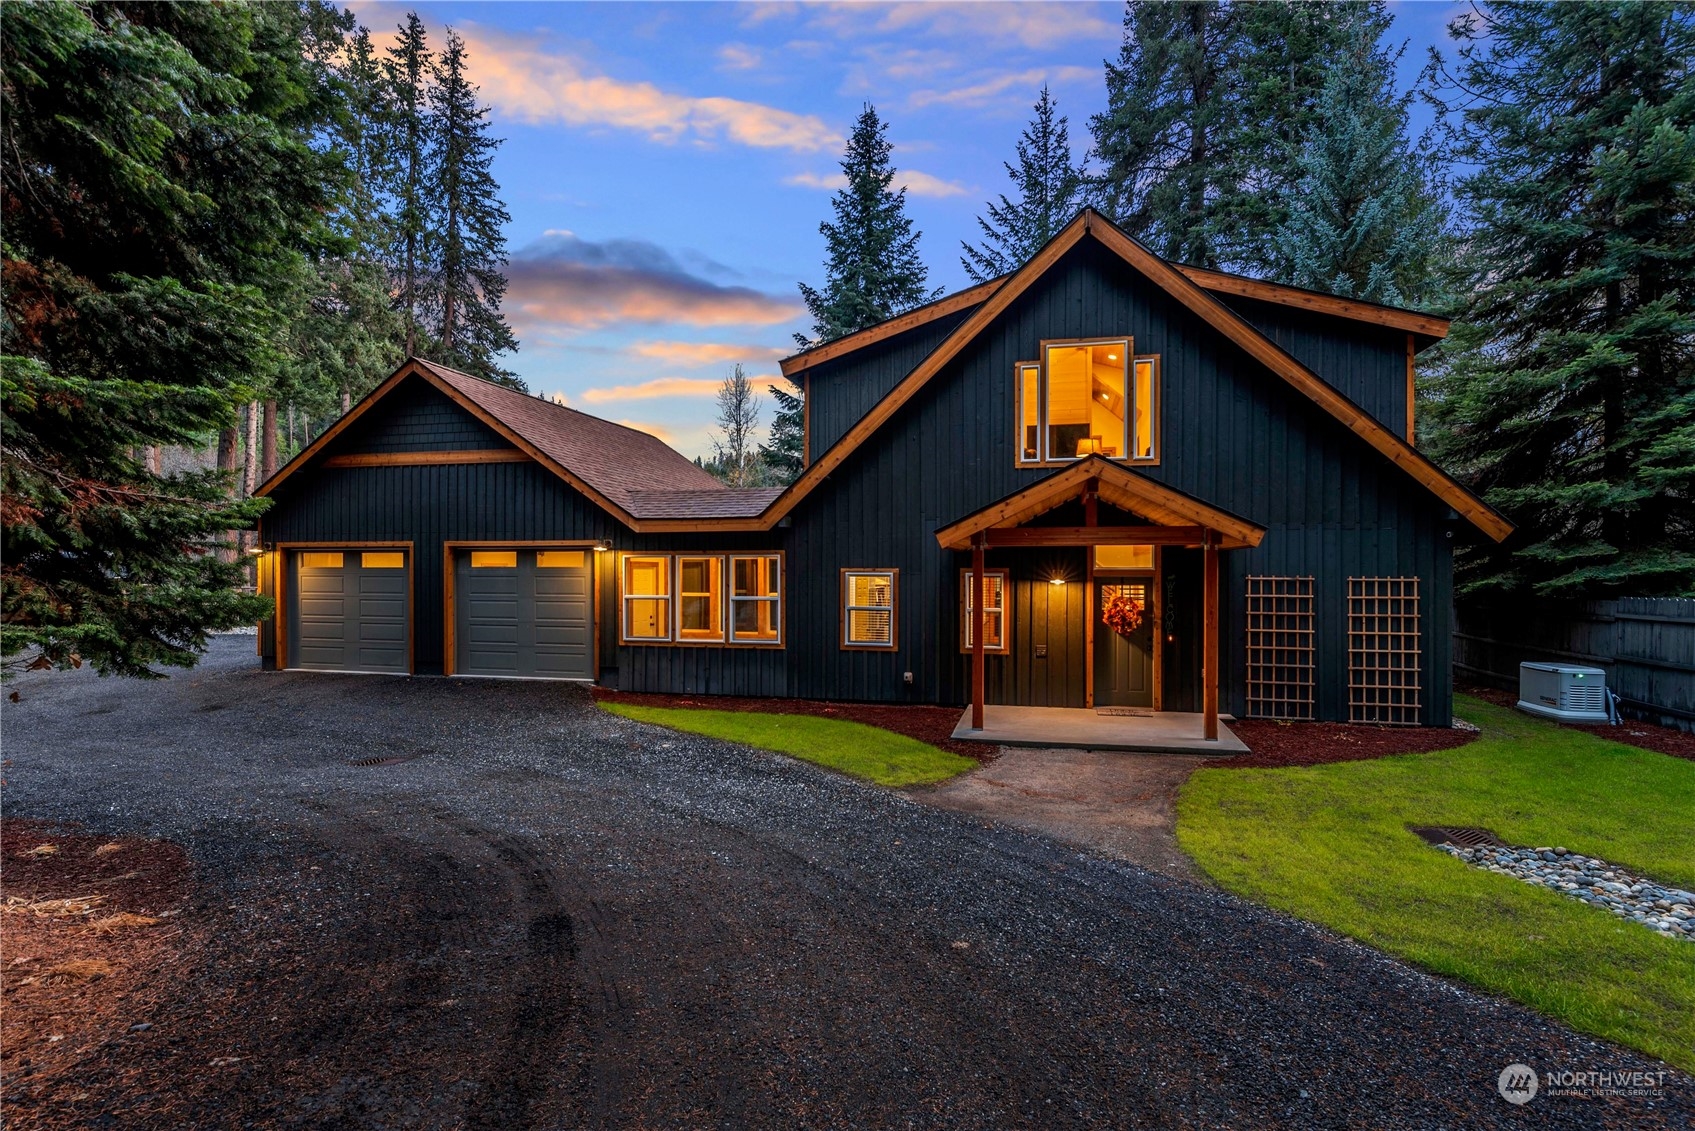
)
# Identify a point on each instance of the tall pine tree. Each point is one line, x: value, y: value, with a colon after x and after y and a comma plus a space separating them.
x: 872, y: 272
x: 1568, y: 398
x: 469, y: 331
x: 1050, y: 191
x: 1362, y: 219
x: 1164, y: 139
x: 407, y: 124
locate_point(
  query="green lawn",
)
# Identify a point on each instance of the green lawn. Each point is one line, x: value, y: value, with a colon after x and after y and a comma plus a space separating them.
x: 1330, y: 844
x: 866, y: 752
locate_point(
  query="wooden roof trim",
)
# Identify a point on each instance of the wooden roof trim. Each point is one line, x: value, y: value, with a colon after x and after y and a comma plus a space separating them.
x: 1126, y: 484
x: 1267, y: 352
x: 817, y: 355
x: 1014, y: 286
x: 1225, y: 283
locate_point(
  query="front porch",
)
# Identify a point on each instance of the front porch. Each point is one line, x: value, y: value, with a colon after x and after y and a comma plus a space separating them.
x: 1154, y: 732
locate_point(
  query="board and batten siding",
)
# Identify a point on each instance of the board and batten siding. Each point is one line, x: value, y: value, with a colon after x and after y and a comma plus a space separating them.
x: 846, y: 388
x: 1232, y: 434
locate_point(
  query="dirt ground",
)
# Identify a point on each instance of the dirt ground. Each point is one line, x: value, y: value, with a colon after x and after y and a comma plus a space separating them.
x: 551, y: 917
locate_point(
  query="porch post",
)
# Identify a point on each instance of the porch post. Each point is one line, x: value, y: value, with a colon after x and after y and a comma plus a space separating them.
x: 1209, y: 634
x: 979, y: 588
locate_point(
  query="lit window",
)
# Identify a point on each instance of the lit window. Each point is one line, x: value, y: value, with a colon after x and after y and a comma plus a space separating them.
x: 868, y: 608
x: 559, y: 559
x: 994, y: 610
x: 392, y: 559
x: 700, y: 599
x: 647, y: 598
x: 320, y: 559
x: 1088, y: 398
x: 755, y: 600
x: 494, y: 559
x: 1144, y: 423
x: 1029, y: 412
x: 1124, y: 557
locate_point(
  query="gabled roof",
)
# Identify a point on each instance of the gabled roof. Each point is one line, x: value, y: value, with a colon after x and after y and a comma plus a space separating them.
x: 1428, y: 328
x: 1091, y: 224
x: 1124, y: 488
x: 635, y: 476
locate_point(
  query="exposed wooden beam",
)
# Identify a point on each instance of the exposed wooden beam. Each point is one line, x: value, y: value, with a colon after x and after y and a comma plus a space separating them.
x: 1209, y: 638
x: 1221, y: 283
x: 980, y: 587
x: 427, y: 459
x: 1095, y: 536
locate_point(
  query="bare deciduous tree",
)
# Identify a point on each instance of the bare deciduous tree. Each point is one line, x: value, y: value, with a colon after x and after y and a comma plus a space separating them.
x: 736, y: 448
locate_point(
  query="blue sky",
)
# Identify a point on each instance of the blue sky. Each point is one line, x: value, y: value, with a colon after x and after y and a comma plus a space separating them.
x: 667, y: 165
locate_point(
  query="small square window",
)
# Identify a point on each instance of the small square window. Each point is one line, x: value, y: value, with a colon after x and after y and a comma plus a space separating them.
x: 320, y: 559
x: 559, y: 559
x: 1124, y: 557
x: 868, y: 608
x: 382, y: 559
x: 494, y: 559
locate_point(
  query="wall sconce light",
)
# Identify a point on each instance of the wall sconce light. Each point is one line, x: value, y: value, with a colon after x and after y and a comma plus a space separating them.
x: 602, y: 546
x: 1056, y: 581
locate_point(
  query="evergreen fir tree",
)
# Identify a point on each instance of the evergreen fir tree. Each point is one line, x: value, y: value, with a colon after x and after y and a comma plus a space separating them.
x: 1361, y: 220
x: 1050, y: 191
x: 1568, y: 399
x: 1164, y: 138
x: 1284, y: 55
x: 408, y: 127
x: 873, y: 271
x: 784, y: 453
x: 469, y: 331
x: 162, y: 197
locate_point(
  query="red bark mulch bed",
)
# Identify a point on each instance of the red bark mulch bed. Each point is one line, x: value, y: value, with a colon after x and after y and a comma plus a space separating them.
x: 93, y: 945
x: 1631, y: 732
x: 1274, y: 744
x: 927, y: 724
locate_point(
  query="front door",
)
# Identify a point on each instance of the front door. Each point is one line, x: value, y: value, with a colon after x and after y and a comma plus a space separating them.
x: 1124, y: 643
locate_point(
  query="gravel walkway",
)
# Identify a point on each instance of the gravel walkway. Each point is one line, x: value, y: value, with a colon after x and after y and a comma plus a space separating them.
x: 558, y: 918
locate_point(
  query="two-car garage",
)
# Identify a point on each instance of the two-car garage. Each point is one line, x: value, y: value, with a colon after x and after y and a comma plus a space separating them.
x: 514, y: 612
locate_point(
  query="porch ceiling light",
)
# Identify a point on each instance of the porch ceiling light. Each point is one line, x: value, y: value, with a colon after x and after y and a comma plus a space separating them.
x: 1056, y: 581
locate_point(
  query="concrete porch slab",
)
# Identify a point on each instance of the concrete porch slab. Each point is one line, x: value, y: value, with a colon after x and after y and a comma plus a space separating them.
x: 1168, y: 732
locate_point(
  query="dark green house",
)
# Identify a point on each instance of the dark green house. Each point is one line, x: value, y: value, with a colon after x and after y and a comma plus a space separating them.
x: 1186, y: 492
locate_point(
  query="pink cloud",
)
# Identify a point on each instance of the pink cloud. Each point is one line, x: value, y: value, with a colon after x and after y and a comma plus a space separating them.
x: 565, y: 281
x: 915, y: 182
x: 706, y: 353
x: 669, y: 388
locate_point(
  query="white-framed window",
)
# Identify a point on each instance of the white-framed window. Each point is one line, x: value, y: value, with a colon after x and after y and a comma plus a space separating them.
x: 700, y: 598
x: 1087, y: 397
x: 646, y: 589
x: 994, y: 610
x: 868, y: 608
x: 756, y: 599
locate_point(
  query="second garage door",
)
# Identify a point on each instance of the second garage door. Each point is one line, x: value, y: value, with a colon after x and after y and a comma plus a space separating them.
x: 523, y: 613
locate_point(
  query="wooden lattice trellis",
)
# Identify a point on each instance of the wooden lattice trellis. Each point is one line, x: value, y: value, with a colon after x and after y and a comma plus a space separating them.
x: 1280, y: 647
x: 1385, y: 670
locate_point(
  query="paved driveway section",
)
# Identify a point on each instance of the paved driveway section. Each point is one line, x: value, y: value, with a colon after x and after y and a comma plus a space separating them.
x: 553, y: 917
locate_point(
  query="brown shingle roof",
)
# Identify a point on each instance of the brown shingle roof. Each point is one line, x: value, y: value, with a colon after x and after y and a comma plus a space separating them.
x: 633, y: 469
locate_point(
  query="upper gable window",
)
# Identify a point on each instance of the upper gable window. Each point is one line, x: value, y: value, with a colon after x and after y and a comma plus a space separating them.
x: 1087, y: 398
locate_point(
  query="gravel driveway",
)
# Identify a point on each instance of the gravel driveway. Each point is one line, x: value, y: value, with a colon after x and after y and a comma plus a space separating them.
x: 554, y: 917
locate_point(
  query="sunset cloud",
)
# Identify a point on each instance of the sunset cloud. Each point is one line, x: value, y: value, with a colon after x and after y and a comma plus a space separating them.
x: 707, y: 353
x: 1026, y: 84
x: 562, y: 280
x: 915, y: 182
x: 662, y: 434
x: 534, y: 85
x: 669, y: 388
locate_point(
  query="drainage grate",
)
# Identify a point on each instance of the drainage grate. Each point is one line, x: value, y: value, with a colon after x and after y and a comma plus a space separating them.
x: 1459, y: 837
x: 388, y: 760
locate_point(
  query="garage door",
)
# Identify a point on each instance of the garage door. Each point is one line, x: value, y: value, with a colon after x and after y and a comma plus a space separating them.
x: 348, y: 611
x: 523, y: 614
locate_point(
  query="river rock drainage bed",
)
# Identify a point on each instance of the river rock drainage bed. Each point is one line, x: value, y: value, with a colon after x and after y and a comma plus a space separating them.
x: 1670, y: 911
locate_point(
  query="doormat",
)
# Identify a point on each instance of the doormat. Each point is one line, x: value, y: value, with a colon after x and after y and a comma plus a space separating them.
x: 1135, y: 712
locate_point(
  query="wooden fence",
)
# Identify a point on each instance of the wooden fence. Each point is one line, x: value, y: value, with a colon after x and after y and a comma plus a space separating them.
x: 1646, y: 645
